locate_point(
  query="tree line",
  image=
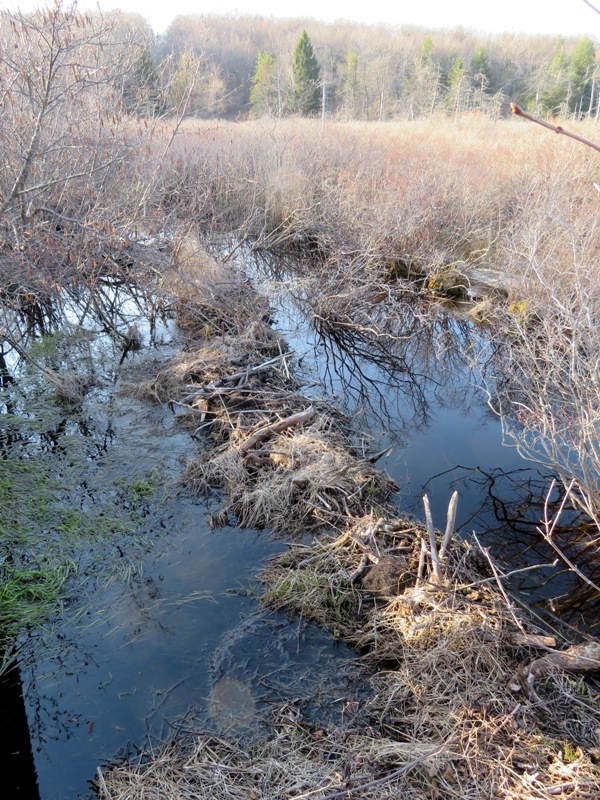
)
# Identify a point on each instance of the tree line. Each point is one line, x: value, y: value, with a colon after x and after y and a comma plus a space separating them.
x: 258, y: 66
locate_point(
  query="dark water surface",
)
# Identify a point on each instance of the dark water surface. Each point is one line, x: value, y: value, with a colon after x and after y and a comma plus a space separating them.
x: 166, y: 621
x: 163, y: 619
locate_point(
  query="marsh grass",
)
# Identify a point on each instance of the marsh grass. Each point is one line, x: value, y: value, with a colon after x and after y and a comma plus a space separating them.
x: 442, y: 720
x: 435, y: 193
x: 443, y: 654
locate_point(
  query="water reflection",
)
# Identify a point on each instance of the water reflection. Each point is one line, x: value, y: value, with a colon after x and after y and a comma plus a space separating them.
x: 164, y: 631
x: 409, y: 374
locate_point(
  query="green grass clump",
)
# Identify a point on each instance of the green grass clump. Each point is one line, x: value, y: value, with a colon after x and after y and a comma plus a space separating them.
x: 28, y: 597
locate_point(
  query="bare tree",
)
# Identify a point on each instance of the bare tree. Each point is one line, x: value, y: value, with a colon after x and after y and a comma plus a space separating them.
x: 73, y: 151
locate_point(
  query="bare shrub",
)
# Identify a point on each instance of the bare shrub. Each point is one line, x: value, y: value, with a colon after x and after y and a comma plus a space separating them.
x: 84, y: 154
x: 432, y: 193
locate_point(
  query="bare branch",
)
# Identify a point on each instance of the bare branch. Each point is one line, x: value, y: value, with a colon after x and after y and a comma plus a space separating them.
x: 518, y: 111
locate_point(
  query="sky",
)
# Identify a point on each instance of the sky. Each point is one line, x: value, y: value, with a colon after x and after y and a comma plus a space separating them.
x: 567, y: 17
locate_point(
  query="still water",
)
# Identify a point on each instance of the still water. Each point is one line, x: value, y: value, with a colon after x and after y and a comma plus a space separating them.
x: 166, y: 623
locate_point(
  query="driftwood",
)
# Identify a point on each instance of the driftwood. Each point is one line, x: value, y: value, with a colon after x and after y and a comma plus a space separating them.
x: 532, y: 640
x: 433, y: 551
x: 580, y: 659
x: 276, y: 427
x: 239, y: 378
x: 437, y: 557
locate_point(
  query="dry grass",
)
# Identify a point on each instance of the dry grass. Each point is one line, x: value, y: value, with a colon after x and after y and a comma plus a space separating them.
x: 450, y: 652
x: 210, y: 297
x: 228, y: 335
x: 445, y: 720
x: 434, y: 193
x: 233, y: 382
x: 298, y: 481
x: 297, y: 763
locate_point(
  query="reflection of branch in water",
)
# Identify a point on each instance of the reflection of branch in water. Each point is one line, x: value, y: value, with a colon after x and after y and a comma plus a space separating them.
x: 373, y: 386
x: 384, y: 345
x: 394, y: 375
x: 508, y: 517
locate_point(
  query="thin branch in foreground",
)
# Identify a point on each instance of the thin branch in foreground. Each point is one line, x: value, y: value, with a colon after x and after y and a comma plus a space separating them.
x: 593, y: 7
x: 509, y: 606
x: 518, y: 111
x: 547, y: 531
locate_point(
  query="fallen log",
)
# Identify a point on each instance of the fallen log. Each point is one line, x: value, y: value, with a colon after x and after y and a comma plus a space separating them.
x: 277, y: 427
x: 579, y: 659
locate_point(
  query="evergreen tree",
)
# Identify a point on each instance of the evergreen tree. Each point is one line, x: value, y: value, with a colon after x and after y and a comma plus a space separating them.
x: 457, y: 86
x: 142, y: 92
x: 480, y: 69
x: 263, y: 89
x: 306, y: 78
x: 426, y: 51
x: 554, y: 97
x: 581, y: 74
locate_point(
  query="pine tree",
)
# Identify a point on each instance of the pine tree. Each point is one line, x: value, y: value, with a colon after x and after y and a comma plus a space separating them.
x: 553, y: 98
x: 263, y: 90
x: 480, y: 69
x: 142, y: 91
x: 457, y: 86
x: 426, y: 51
x: 306, y: 78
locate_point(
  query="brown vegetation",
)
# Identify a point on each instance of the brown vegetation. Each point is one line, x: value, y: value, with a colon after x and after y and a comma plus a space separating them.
x: 452, y: 206
x: 435, y: 194
x: 95, y: 187
x: 454, y: 711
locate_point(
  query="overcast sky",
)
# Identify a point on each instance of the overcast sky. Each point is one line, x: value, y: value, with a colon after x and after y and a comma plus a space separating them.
x: 492, y: 16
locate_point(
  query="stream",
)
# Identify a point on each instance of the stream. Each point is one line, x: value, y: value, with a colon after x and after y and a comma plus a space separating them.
x: 161, y: 625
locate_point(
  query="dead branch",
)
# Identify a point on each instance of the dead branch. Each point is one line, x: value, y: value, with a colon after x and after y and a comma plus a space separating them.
x: 450, y: 521
x: 549, y: 527
x: 435, y: 561
x: 277, y: 427
x: 216, y: 386
x: 532, y: 640
x: 581, y: 659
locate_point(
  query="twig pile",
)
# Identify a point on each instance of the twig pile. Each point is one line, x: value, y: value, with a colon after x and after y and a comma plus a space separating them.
x: 293, y: 480
x: 449, y: 648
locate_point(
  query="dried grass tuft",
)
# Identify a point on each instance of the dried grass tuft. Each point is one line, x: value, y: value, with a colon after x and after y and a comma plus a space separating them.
x: 297, y: 480
x: 297, y: 762
x: 211, y: 298
x: 477, y: 754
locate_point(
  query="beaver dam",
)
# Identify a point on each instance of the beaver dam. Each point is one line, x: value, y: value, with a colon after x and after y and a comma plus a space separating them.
x: 349, y: 650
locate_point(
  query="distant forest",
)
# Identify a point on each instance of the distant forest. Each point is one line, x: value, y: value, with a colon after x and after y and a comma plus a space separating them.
x: 253, y: 66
